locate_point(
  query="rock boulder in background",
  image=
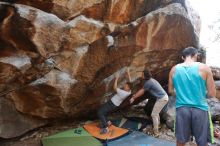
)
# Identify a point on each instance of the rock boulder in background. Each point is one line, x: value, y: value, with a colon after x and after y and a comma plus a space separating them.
x: 13, y: 123
x: 216, y: 72
x: 217, y: 84
x: 114, y: 11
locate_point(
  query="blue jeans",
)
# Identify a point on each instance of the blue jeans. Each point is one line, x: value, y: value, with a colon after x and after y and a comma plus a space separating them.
x: 103, y: 111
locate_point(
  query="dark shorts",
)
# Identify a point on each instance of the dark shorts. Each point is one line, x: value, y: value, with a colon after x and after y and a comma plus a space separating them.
x: 195, y: 122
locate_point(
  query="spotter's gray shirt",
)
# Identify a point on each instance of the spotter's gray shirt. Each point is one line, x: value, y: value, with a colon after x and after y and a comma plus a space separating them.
x: 154, y: 88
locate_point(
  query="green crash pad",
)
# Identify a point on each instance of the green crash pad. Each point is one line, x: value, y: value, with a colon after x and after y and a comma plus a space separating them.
x: 73, y: 137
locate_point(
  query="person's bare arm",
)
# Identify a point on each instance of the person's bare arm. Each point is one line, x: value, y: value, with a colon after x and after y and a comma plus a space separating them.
x: 136, y: 95
x: 128, y: 74
x: 210, y: 83
x: 116, y: 82
x: 170, y: 84
x: 139, y: 93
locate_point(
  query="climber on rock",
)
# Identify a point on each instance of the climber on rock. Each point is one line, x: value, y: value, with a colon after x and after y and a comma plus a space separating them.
x: 114, y: 103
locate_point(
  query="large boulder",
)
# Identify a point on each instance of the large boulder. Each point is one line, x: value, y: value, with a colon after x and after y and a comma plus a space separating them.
x: 194, y: 17
x: 168, y: 114
x: 14, y: 123
x: 217, y: 85
x: 114, y: 11
x: 26, y: 49
x: 54, y: 69
x: 216, y: 73
x: 214, y: 105
x: 62, y: 8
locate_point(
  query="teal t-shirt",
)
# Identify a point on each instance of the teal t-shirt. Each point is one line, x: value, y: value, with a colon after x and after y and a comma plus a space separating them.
x: 190, y: 87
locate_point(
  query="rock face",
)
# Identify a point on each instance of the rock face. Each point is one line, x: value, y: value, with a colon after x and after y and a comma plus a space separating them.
x: 217, y: 84
x: 115, y: 11
x: 216, y: 72
x: 13, y: 123
x: 194, y: 17
x: 169, y: 112
x: 214, y: 105
x: 60, y: 67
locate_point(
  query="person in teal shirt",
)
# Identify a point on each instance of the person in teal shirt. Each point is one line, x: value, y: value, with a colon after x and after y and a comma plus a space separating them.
x: 192, y: 82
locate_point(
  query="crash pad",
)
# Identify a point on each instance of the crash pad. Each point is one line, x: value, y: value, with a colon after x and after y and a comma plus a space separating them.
x: 137, y: 138
x: 73, y: 137
x: 132, y: 123
x: 114, y: 132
